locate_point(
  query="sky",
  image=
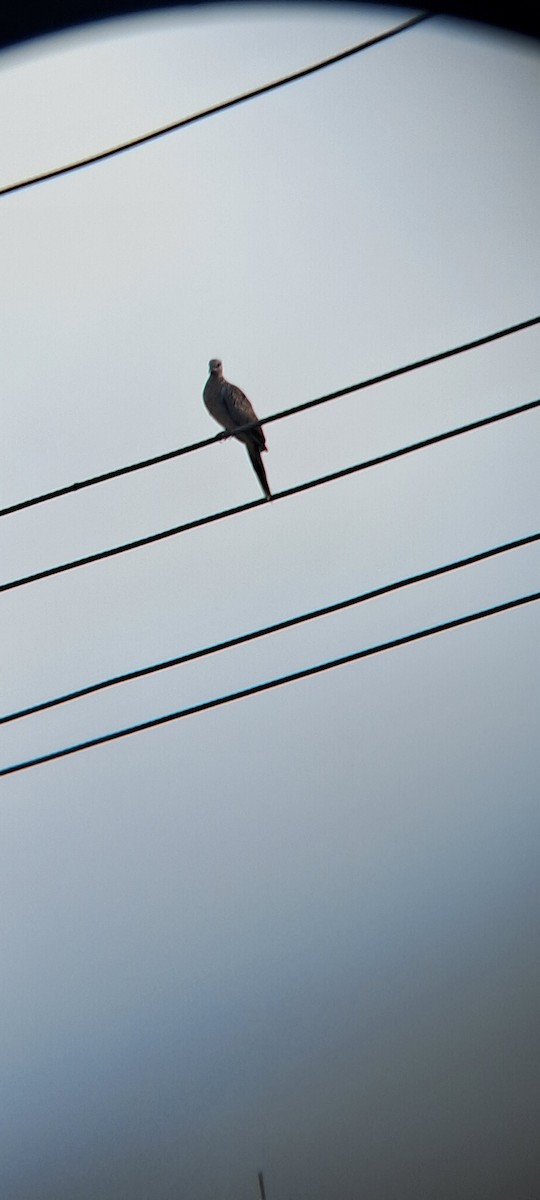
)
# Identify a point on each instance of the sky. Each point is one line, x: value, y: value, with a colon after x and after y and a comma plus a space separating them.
x: 298, y: 933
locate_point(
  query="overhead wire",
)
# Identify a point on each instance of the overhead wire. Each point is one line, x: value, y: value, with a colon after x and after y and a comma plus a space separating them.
x: 211, y: 518
x: 269, y: 684
x: 214, y: 109
x: 276, y: 627
x: 371, y: 381
x: 304, y: 617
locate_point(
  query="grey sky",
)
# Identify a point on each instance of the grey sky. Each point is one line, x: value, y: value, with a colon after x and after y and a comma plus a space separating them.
x: 298, y: 933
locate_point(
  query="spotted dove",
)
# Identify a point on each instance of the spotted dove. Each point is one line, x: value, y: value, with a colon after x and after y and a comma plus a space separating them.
x: 228, y: 405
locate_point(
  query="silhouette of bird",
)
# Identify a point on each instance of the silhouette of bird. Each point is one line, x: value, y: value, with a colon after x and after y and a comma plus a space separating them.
x: 228, y: 405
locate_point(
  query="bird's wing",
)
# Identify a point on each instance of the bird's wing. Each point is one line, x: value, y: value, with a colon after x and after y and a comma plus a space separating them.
x: 241, y: 412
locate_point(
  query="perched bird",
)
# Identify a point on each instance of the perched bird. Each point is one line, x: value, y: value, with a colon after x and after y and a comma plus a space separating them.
x: 228, y: 405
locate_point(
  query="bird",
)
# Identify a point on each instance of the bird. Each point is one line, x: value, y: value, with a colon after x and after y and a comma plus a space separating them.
x: 228, y: 405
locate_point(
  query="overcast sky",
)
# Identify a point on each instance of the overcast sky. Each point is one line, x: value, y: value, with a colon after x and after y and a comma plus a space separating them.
x: 298, y: 933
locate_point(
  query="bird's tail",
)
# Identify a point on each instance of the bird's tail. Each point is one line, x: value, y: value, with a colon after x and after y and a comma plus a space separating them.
x: 257, y: 464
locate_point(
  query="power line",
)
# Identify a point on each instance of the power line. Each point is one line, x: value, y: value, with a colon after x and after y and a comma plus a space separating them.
x: 394, y: 373
x: 269, y: 684
x: 223, y: 106
x: 198, y: 522
x: 277, y: 627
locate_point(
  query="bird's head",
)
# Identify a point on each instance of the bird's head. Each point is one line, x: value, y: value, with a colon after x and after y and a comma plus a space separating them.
x: 215, y: 366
